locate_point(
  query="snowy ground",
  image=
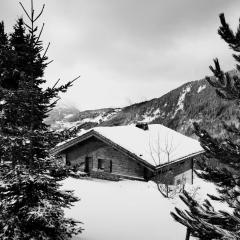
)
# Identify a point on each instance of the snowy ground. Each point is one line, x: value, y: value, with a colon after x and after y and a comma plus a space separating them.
x: 127, y: 210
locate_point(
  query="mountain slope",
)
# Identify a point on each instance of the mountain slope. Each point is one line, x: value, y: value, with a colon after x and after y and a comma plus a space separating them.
x: 195, y: 101
x: 63, y: 118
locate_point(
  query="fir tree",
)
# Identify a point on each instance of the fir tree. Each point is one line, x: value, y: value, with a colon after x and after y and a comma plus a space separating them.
x: 202, y: 220
x: 31, y: 202
x: 6, y: 56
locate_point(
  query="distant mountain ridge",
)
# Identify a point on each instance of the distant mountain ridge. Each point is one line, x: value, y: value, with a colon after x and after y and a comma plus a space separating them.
x: 63, y: 118
x: 194, y: 101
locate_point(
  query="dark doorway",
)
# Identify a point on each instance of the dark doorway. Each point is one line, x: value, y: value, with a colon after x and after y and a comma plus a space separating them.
x: 110, y: 166
x: 88, y: 161
x: 146, y: 174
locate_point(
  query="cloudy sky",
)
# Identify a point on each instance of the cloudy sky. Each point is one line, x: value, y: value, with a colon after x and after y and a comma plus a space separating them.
x: 130, y: 50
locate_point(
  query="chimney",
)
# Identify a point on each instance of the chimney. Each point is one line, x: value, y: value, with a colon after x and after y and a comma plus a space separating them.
x: 143, y: 126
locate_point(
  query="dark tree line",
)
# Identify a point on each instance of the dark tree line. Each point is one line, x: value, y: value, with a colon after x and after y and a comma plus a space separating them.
x: 202, y: 220
x: 31, y: 202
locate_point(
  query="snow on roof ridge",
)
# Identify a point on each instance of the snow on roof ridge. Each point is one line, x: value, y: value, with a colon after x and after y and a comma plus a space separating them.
x: 151, y: 145
x: 141, y: 130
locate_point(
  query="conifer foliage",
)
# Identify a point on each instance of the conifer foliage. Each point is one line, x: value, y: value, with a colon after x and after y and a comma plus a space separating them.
x: 202, y: 220
x: 31, y: 201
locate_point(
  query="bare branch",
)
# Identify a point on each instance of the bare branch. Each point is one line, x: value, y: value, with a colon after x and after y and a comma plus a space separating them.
x: 162, y: 191
x: 158, y: 149
x: 151, y: 153
x: 164, y: 175
x: 168, y: 148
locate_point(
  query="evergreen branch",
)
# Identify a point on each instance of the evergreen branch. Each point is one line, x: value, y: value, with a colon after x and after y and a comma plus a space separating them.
x: 56, y: 83
x: 39, y: 13
x: 25, y: 11
x: 71, y: 82
x: 203, y: 220
x: 39, y: 35
x: 29, y: 192
x: 46, y: 64
x: 27, y: 25
x: 46, y: 50
x: 32, y: 11
x: 52, y: 105
x: 225, y: 31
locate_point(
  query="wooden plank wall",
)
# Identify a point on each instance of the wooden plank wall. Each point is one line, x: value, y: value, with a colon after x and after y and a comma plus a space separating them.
x: 121, y: 163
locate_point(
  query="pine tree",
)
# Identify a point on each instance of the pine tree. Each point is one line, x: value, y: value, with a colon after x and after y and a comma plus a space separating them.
x: 202, y: 220
x: 31, y: 202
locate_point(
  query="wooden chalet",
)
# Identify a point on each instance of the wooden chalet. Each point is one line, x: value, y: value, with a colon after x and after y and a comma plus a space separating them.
x: 140, y: 152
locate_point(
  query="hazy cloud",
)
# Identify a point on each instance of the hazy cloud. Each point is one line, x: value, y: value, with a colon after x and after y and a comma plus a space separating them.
x: 130, y: 50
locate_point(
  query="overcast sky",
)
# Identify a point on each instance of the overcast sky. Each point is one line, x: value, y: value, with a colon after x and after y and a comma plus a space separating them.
x: 128, y: 51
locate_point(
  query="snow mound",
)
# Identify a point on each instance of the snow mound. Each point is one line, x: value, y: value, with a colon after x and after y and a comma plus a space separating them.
x: 126, y: 210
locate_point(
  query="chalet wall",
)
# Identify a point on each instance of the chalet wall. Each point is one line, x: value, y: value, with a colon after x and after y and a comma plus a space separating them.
x: 121, y: 164
x: 176, y: 173
x: 95, y: 149
x: 76, y: 155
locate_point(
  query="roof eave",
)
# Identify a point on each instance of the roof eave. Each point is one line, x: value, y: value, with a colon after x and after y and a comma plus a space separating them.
x: 70, y: 143
x: 180, y: 159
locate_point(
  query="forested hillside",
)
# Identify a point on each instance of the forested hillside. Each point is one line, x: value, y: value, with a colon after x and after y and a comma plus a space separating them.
x: 195, y: 101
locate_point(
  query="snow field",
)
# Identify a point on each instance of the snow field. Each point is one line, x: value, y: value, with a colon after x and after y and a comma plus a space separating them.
x: 127, y: 210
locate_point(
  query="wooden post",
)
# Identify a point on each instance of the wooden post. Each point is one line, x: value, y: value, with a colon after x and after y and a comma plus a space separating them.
x: 192, y: 168
x: 187, y: 234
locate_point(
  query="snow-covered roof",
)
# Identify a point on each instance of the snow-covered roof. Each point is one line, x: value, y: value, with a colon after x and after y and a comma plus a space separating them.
x: 155, y: 145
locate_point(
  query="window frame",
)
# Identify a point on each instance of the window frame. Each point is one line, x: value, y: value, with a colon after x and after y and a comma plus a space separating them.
x: 100, y: 164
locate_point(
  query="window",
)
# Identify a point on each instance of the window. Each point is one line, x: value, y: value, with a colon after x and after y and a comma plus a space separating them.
x: 101, y: 164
